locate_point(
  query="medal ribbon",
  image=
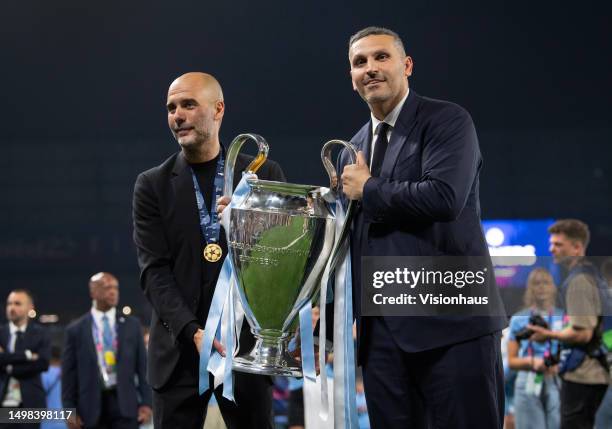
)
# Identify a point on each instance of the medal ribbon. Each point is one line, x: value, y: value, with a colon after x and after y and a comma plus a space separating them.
x: 209, y: 221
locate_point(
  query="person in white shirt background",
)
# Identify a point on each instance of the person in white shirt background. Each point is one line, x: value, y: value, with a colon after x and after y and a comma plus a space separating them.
x: 24, y: 355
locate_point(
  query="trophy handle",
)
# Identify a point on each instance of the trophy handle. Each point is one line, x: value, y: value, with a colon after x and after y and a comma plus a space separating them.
x: 232, y: 154
x: 339, y: 246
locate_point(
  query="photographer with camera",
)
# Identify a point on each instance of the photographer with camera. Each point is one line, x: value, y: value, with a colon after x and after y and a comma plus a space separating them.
x: 583, y: 365
x: 536, y: 390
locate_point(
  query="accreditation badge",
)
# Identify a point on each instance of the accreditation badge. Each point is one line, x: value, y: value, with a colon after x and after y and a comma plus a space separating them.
x: 109, y: 358
x: 533, y: 386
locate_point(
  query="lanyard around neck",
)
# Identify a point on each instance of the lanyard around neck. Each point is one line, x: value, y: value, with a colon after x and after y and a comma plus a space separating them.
x: 209, y: 221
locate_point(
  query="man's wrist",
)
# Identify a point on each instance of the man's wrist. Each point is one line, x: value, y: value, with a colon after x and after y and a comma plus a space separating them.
x: 189, y: 331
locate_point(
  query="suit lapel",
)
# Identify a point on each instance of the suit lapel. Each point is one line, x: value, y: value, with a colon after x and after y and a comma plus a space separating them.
x: 403, y: 127
x: 120, y: 324
x: 87, y: 335
x: 366, y: 143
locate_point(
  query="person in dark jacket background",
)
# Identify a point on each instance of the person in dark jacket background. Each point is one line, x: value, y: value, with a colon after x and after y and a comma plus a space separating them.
x: 104, y: 364
x: 25, y: 351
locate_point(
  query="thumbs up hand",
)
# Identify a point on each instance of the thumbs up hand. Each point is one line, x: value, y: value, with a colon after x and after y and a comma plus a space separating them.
x: 355, y: 176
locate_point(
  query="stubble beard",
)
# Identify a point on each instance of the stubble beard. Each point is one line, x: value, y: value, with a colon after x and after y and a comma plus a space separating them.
x: 194, y: 144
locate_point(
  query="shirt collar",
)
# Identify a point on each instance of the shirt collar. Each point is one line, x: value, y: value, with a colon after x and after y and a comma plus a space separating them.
x: 392, y: 116
x: 97, y: 314
x: 14, y: 328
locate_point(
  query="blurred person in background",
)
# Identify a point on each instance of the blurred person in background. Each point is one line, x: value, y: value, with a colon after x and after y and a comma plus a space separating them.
x: 52, y: 383
x: 362, y: 407
x: 145, y: 336
x: 536, y: 390
x: 584, y: 297
x: 295, y: 402
x: 104, y: 364
x: 25, y: 350
x: 603, y: 419
x: 509, y: 382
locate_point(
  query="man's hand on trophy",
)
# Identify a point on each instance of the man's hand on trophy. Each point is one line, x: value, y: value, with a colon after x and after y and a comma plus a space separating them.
x: 197, y: 339
x: 222, y: 203
x: 354, y: 177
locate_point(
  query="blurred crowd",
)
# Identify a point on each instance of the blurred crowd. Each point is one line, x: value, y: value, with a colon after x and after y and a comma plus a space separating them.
x: 100, y: 368
x: 557, y: 353
x: 558, y: 348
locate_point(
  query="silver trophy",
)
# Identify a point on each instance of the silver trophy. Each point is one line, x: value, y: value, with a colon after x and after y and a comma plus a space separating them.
x: 281, y: 238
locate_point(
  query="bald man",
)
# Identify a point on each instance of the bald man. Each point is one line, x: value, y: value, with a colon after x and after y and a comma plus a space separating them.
x: 104, y: 364
x: 176, y: 276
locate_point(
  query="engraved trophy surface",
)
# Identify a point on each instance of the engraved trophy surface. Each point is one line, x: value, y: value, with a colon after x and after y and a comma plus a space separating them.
x: 281, y: 238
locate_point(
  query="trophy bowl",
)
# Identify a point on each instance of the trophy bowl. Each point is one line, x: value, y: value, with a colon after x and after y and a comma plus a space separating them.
x: 281, y: 238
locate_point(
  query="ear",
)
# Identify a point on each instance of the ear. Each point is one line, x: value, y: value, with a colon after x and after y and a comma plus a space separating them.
x: 408, y: 66
x: 578, y: 248
x: 352, y: 81
x: 219, y: 109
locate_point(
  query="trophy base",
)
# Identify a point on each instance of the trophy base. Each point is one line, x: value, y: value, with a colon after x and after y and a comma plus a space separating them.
x: 268, y: 357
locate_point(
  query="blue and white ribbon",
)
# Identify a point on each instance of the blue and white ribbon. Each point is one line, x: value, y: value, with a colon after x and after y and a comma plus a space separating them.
x: 344, y: 401
x: 222, y: 322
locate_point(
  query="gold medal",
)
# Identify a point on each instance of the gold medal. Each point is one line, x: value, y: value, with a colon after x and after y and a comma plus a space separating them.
x: 212, y: 252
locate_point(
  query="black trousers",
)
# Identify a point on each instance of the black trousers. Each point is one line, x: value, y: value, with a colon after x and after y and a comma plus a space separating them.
x: 459, y: 386
x: 110, y: 414
x: 579, y: 404
x: 178, y: 405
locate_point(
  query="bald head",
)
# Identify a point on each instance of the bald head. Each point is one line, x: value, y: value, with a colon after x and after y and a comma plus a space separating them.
x: 104, y: 290
x: 195, y: 111
x: 101, y: 278
x: 202, y: 83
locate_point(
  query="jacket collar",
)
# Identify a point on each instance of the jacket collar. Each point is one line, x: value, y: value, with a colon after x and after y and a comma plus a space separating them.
x: 404, y: 126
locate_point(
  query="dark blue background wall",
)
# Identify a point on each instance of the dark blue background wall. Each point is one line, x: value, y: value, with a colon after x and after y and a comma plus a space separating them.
x: 84, y: 87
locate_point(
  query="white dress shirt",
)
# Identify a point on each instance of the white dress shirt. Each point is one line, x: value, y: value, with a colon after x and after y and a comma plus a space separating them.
x: 12, y: 397
x: 13, y: 329
x: 97, y: 333
x: 98, y: 315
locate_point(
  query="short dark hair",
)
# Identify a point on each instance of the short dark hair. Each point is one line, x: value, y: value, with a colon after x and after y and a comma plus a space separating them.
x: 377, y: 31
x: 25, y: 292
x: 574, y: 229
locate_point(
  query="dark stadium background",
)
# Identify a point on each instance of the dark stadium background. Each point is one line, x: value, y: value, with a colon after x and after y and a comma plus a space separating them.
x: 84, y: 87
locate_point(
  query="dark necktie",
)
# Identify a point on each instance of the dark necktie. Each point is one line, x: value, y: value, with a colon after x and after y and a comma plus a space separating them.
x: 380, y: 148
x: 107, y: 334
x: 19, y: 346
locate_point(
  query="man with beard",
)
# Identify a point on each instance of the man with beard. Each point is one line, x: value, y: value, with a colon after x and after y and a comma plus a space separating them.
x: 175, y: 226
x: 25, y: 350
x: 416, y: 180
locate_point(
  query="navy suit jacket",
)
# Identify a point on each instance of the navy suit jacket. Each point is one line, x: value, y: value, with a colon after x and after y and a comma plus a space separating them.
x: 26, y: 371
x: 424, y: 203
x: 81, y: 379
